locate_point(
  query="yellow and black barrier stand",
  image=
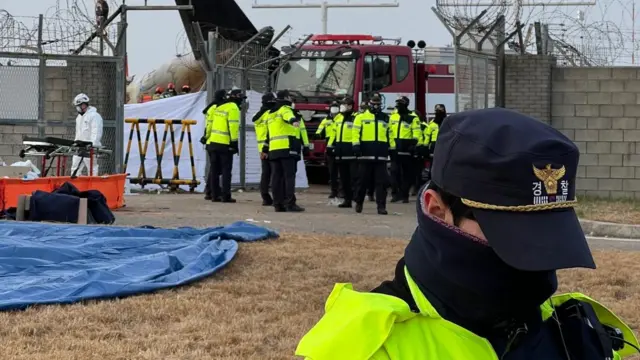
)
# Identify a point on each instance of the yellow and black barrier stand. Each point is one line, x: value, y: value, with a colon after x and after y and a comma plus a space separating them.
x: 142, y: 179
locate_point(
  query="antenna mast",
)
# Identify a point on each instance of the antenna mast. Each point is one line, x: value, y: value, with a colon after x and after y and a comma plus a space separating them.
x: 633, y: 33
x: 324, y: 7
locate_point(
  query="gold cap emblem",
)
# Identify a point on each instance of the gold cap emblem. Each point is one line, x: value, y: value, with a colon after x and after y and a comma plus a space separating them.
x: 549, y: 177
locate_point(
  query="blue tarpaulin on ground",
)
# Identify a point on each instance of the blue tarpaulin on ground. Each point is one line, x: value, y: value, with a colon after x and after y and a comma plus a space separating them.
x: 58, y: 264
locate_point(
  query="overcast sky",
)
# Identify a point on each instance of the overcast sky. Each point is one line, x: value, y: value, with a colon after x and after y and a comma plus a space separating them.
x: 153, y: 37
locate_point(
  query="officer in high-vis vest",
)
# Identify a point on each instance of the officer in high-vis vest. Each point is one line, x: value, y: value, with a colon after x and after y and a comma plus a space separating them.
x: 405, y: 131
x: 430, y: 134
x: 222, y: 143
x: 302, y: 143
x: 325, y: 130
x: 302, y: 136
x: 419, y: 156
x: 478, y: 278
x: 282, y: 142
x: 341, y: 147
x: 219, y: 98
x: 370, y: 141
x: 260, y: 121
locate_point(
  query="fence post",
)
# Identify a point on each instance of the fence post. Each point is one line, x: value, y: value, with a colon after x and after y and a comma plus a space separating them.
x: 212, y: 86
x: 211, y: 75
x: 486, y: 82
x: 472, y: 66
x: 42, y: 68
x: 500, y: 64
x: 118, y: 152
x: 456, y: 78
x: 243, y: 131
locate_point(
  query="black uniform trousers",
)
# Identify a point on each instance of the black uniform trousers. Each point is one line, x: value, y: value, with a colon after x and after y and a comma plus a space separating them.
x: 418, y: 173
x: 376, y: 170
x: 332, y: 165
x: 348, y: 170
x: 221, y: 163
x: 207, y: 191
x: 283, y: 181
x: 403, y: 175
x: 297, y: 160
x: 371, y: 187
x: 265, y: 180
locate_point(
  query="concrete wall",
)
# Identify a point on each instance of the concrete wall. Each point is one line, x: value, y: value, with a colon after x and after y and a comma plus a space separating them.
x: 62, y: 83
x: 597, y: 108
x: 528, y: 85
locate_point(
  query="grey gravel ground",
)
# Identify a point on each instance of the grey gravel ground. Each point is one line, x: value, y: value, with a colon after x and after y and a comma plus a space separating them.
x: 174, y: 210
x: 171, y: 210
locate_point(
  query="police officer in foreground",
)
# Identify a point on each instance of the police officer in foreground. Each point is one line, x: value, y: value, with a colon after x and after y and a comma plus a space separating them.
x: 282, y: 140
x: 478, y: 277
x: 370, y: 141
x: 325, y: 130
x: 260, y: 122
x: 222, y: 144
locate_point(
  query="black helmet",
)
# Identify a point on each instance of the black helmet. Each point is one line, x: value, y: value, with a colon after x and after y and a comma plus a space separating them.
x: 219, y: 95
x: 347, y: 101
x: 375, y: 99
x: 283, y: 94
x: 403, y: 100
x: 236, y: 94
x: 268, y: 97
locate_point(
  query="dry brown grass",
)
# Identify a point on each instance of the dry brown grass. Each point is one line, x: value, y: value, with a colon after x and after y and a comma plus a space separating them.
x: 257, y: 308
x: 621, y: 211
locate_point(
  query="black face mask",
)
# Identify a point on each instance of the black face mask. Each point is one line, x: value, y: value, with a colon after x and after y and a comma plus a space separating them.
x: 402, y: 108
x: 468, y: 283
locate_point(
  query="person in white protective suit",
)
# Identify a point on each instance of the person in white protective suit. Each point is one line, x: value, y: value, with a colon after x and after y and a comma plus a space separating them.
x: 88, y: 128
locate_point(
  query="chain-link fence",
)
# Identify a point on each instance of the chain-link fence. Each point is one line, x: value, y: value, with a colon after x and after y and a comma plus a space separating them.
x: 240, y: 59
x: 475, y: 80
x: 243, y: 66
x: 36, y: 100
x: 479, y: 50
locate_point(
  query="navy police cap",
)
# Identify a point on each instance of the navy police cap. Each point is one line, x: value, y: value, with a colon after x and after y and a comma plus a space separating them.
x: 518, y: 175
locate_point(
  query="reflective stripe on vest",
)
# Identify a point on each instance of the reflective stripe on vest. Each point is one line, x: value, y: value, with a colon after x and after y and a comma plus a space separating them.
x: 280, y: 130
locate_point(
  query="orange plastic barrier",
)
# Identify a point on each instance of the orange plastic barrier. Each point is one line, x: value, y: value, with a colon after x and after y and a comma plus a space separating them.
x: 111, y: 186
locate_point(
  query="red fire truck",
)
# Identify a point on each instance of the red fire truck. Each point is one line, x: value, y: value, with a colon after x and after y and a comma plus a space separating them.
x: 331, y: 67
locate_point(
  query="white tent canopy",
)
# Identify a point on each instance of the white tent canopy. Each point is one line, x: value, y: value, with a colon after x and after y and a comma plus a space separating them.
x: 190, y: 107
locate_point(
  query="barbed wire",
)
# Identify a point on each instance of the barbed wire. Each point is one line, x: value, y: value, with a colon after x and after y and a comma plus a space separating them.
x: 225, y: 47
x: 66, y: 26
x: 596, y: 35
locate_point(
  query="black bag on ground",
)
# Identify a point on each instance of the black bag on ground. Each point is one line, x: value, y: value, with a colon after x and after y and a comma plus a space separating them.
x: 99, y: 212
x: 54, y: 207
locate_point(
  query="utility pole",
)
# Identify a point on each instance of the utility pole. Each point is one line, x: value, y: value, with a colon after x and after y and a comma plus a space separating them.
x: 324, y: 8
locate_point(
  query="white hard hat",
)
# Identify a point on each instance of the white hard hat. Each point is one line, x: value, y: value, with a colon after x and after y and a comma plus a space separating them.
x: 80, y: 99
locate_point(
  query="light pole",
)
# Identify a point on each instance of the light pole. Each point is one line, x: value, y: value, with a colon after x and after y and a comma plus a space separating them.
x: 324, y: 8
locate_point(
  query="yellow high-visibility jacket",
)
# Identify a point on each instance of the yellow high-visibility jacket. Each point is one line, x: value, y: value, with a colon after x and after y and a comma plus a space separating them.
x: 373, y: 326
x: 225, y: 123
